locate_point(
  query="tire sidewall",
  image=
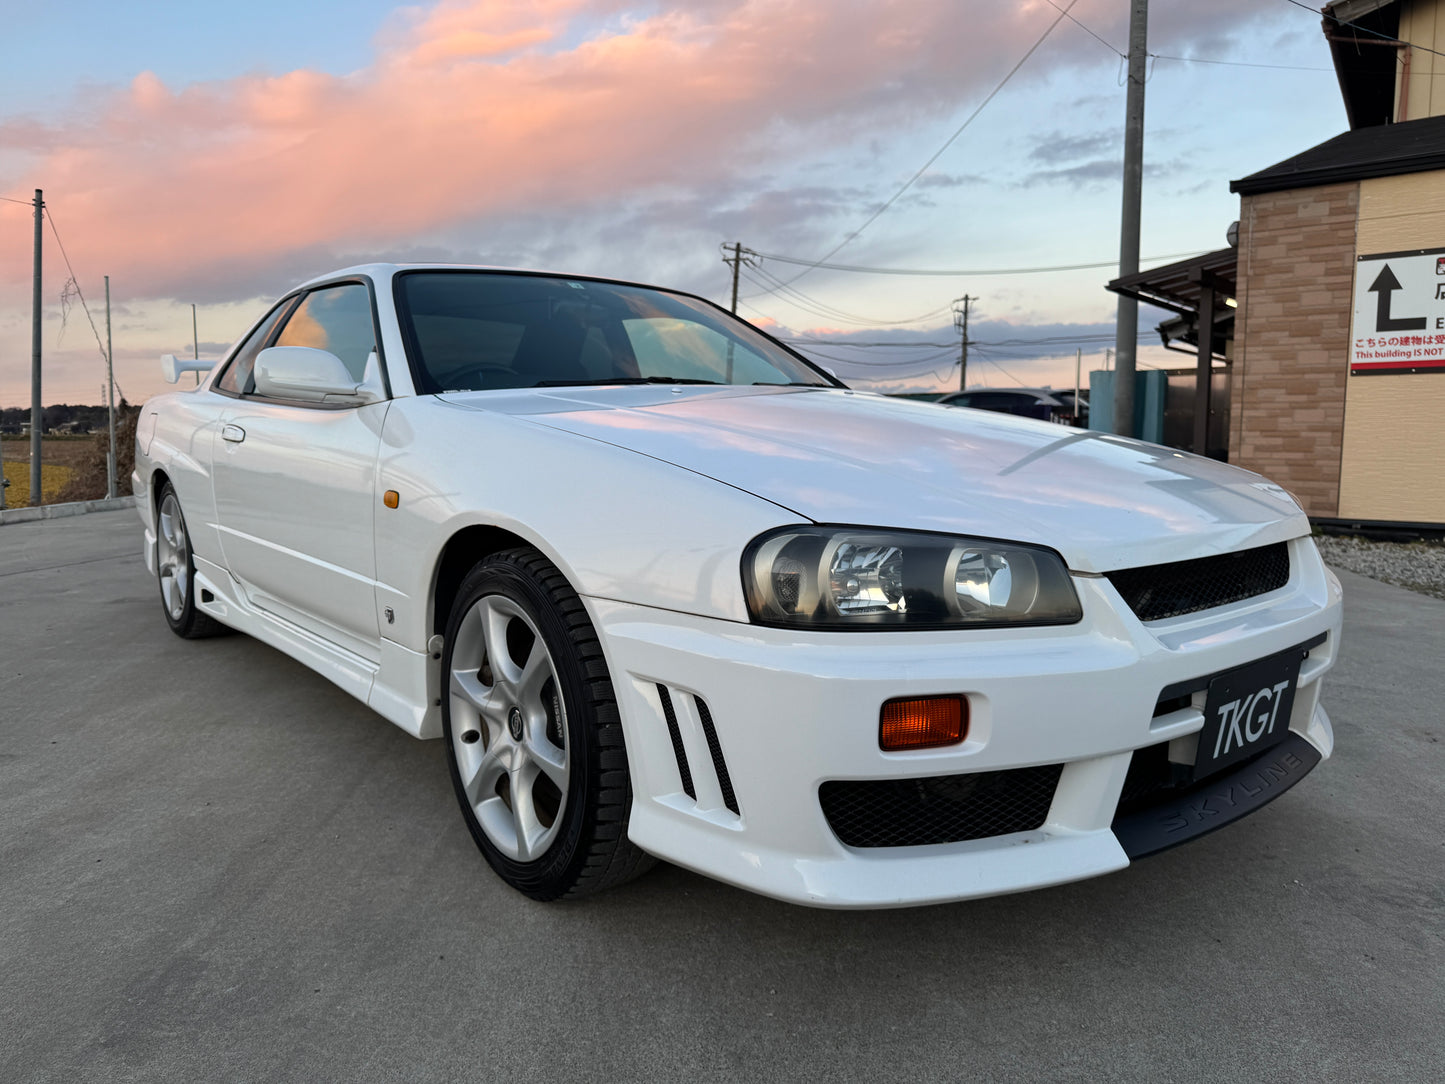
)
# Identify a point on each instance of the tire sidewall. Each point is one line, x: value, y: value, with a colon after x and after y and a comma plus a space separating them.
x: 502, y: 575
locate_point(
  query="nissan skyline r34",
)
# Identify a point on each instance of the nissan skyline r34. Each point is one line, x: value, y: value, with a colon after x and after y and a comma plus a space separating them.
x: 663, y: 588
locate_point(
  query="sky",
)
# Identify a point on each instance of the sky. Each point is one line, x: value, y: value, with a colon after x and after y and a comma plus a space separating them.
x: 217, y: 155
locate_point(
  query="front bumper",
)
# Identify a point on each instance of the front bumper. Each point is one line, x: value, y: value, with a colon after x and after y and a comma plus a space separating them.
x: 761, y: 718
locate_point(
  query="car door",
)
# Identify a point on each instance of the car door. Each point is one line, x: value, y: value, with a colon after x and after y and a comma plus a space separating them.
x: 295, y: 483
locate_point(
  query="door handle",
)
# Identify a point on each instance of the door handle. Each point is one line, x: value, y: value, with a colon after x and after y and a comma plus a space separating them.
x: 234, y: 433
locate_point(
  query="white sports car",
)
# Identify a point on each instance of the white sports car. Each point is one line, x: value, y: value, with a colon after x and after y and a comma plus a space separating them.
x: 666, y: 589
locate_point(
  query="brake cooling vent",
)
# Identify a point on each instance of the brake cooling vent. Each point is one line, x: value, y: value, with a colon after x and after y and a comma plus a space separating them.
x: 939, y: 808
x: 1155, y: 592
x: 679, y: 746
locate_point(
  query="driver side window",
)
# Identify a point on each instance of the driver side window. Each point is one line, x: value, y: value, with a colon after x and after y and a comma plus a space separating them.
x: 338, y: 319
x: 236, y: 380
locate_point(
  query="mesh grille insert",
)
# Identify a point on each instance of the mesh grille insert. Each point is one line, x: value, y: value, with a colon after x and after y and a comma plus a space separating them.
x: 670, y: 714
x: 1185, y: 587
x: 939, y: 808
x: 709, y: 731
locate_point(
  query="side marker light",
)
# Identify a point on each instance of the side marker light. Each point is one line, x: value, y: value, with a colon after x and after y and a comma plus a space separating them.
x: 392, y: 498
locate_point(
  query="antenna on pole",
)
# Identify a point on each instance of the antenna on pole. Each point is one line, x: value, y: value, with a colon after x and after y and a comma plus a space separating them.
x: 960, y: 321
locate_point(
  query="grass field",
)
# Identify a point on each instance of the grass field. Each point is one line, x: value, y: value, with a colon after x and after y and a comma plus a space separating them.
x: 59, y: 457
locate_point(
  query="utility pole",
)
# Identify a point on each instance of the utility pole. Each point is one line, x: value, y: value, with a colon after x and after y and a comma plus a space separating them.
x: 36, y: 410
x: 196, y: 341
x: 109, y: 397
x: 1126, y: 333
x: 960, y: 321
x: 739, y: 257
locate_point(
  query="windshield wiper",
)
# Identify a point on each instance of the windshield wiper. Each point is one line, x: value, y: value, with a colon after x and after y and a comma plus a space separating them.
x: 790, y: 384
x: 622, y: 380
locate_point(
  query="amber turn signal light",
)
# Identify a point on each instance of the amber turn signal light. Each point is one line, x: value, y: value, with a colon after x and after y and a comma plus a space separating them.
x: 922, y: 723
x: 392, y: 498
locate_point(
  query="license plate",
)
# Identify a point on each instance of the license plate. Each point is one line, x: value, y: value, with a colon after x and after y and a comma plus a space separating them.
x: 1247, y: 710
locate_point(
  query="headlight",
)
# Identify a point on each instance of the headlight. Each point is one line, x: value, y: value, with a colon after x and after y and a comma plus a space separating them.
x: 858, y: 578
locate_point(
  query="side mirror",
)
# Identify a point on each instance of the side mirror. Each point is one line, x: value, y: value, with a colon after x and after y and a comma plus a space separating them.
x: 303, y: 372
x: 172, y: 367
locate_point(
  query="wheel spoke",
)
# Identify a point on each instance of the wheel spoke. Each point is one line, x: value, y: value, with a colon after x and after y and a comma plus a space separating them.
x: 481, y: 783
x: 551, y: 761
x: 524, y: 811
x: 484, y: 699
x: 534, y: 673
x: 495, y: 619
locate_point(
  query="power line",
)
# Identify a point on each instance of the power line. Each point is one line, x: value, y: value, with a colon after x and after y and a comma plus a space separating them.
x: 26, y: 202
x: 951, y: 273
x: 895, y: 366
x: 819, y: 308
x: 1358, y: 29
x: 50, y: 217
x: 1241, y: 63
x: 1102, y: 41
x: 946, y: 144
x: 927, y: 359
x: 851, y: 343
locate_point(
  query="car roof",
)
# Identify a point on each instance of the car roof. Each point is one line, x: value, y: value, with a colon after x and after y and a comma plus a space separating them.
x: 389, y: 270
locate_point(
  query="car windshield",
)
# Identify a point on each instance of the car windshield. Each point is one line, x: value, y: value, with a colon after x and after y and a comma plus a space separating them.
x: 480, y: 330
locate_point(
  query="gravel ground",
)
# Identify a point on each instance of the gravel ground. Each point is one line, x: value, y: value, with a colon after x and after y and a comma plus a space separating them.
x: 1420, y: 566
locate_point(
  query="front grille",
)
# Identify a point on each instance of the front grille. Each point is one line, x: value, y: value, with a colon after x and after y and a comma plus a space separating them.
x: 939, y: 808
x: 1185, y: 587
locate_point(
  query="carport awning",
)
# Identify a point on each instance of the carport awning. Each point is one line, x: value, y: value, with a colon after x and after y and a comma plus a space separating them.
x: 1176, y: 286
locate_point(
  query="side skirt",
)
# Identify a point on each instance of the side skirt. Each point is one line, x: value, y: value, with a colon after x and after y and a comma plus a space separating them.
x: 402, y: 687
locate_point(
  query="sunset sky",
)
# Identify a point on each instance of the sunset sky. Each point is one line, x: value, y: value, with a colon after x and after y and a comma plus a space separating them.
x: 219, y: 154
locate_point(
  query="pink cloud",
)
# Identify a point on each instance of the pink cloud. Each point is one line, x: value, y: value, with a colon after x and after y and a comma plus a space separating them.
x: 492, y: 109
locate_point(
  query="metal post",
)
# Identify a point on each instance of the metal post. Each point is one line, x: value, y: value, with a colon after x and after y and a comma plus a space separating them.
x: 195, y: 342
x: 1204, y: 377
x: 109, y: 398
x: 1078, y: 367
x: 1127, y: 329
x: 37, y: 412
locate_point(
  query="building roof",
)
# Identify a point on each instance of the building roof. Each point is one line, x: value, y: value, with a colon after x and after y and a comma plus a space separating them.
x: 1365, y: 49
x: 1382, y: 150
x: 1175, y: 286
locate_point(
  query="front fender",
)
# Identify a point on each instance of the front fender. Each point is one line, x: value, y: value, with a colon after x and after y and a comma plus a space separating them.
x: 618, y: 524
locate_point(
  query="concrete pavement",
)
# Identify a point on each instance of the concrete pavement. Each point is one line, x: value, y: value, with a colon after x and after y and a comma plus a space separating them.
x: 216, y: 866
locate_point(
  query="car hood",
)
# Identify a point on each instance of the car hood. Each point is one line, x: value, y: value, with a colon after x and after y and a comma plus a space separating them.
x: 834, y: 456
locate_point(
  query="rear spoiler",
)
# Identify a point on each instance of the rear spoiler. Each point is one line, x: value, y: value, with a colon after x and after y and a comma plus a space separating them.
x: 172, y: 367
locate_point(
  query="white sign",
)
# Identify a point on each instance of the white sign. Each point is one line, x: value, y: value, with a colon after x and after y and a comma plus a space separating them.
x: 1399, y: 324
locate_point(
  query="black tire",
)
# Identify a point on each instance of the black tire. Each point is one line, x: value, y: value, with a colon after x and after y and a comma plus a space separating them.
x: 571, y: 717
x: 176, y: 572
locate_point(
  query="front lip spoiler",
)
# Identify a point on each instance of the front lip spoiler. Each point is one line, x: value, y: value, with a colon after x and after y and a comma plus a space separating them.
x: 1215, y: 802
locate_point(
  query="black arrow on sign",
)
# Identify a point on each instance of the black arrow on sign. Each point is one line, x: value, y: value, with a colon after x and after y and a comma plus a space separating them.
x: 1386, y: 285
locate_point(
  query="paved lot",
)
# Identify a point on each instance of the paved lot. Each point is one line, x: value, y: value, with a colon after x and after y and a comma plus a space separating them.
x: 214, y: 865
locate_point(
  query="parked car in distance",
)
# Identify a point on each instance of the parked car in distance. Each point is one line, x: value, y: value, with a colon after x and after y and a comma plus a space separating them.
x: 665, y: 589
x: 1036, y: 403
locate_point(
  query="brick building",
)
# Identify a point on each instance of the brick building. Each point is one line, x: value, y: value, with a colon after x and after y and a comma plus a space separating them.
x: 1332, y: 346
